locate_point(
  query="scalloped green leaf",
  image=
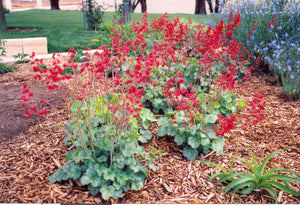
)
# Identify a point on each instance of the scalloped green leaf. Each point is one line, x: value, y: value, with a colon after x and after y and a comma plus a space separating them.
x: 138, y: 181
x: 217, y: 145
x: 58, y: 176
x: 190, y: 153
x: 180, y: 139
x: 211, y: 118
x: 194, y: 142
x: 107, y: 192
x: 74, y: 171
x: 145, y: 135
x: 205, y: 141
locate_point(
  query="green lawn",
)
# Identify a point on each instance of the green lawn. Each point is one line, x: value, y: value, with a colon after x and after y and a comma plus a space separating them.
x: 65, y: 29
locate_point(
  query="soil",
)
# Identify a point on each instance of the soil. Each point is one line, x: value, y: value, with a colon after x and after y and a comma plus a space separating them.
x: 33, y: 148
x: 21, y: 29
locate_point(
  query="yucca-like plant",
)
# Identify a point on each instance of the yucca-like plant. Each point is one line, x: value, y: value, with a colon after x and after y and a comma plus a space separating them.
x: 244, y: 183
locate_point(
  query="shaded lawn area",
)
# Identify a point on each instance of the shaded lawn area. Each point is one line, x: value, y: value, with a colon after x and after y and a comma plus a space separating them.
x: 65, y: 29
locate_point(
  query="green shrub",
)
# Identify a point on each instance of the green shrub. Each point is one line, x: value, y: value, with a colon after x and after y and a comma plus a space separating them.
x: 95, y: 16
x: 6, y: 10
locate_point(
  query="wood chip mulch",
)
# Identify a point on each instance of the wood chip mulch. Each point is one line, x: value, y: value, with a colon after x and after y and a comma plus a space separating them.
x: 30, y: 157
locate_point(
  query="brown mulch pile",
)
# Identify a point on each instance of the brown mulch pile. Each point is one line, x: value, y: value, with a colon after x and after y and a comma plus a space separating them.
x: 33, y: 149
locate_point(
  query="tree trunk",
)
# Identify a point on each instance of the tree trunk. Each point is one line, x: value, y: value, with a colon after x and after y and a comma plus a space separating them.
x: 211, y: 9
x: 134, y: 4
x: 54, y: 4
x: 217, y: 6
x: 143, y: 5
x: 90, y: 6
x: 3, y: 26
x: 200, y: 7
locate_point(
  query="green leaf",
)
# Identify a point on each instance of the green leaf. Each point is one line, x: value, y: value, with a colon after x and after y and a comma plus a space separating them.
x: 180, y: 139
x: 269, y: 157
x: 241, y: 103
x: 211, y: 134
x: 145, y: 136
x: 74, y: 171
x: 217, y: 105
x: 281, y: 187
x: 151, y: 165
x: 146, y: 115
x: 254, y: 171
x: 136, y: 167
x: 180, y: 117
x: 246, y: 191
x: 93, y: 190
x: 58, y: 176
x: 216, y: 175
x: 232, y: 175
x: 166, y: 127
x: 68, y: 171
x: 190, y: 153
x: 107, y: 192
x: 100, y: 168
x: 129, y: 149
x: 217, y: 145
x: 211, y: 118
x: 272, y: 192
x: 237, y: 182
x: 281, y: 169
x: 205, y: 141
x: 280, y: 177
x: 194, y: 142
x: 91, y: 176
x: 117, y: 194
x: 138, y: 181
x: 85, y: 180
x: 216, y: 165
x: 161, y: 132
x: 110, y: 173
x: 253, y: 160
x: 163, y: 121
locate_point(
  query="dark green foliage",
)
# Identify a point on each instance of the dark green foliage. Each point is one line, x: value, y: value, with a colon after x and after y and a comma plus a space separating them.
x: 5, y: 68
x: 106, y: 165
x: 244, y: 183
x: 94, y: 16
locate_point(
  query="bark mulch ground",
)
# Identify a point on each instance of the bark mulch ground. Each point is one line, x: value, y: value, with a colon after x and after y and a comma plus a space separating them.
x: 32, y: 149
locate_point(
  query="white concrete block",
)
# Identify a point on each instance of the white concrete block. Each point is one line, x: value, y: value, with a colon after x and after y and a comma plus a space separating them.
x: 25, y: 45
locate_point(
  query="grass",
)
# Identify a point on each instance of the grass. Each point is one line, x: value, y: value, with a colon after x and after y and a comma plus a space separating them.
x: 65, y: 29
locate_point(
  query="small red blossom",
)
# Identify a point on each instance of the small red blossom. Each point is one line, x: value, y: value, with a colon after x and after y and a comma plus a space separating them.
x: 27, y: 112
x: 42, y: 112
x: 33, y: 108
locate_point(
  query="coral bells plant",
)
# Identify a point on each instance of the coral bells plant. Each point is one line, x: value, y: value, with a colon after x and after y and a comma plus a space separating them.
x: 183, y: 71
x: 102, y: 109
x: 197, y: 87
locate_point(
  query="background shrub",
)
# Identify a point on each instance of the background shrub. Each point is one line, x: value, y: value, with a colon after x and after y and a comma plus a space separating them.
x: 270, y: 30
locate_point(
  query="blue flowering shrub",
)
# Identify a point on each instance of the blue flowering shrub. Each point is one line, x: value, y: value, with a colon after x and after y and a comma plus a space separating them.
x: 270, y: 29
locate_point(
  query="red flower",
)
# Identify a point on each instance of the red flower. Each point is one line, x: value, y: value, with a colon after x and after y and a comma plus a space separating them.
x: 27, y: 112
x: 33, y: 108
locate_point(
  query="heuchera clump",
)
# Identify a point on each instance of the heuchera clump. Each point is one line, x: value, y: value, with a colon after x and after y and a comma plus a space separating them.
x: 183, y: 71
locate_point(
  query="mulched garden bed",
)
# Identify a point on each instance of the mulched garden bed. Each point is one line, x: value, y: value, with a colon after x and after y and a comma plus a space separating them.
x: 32, y: 149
